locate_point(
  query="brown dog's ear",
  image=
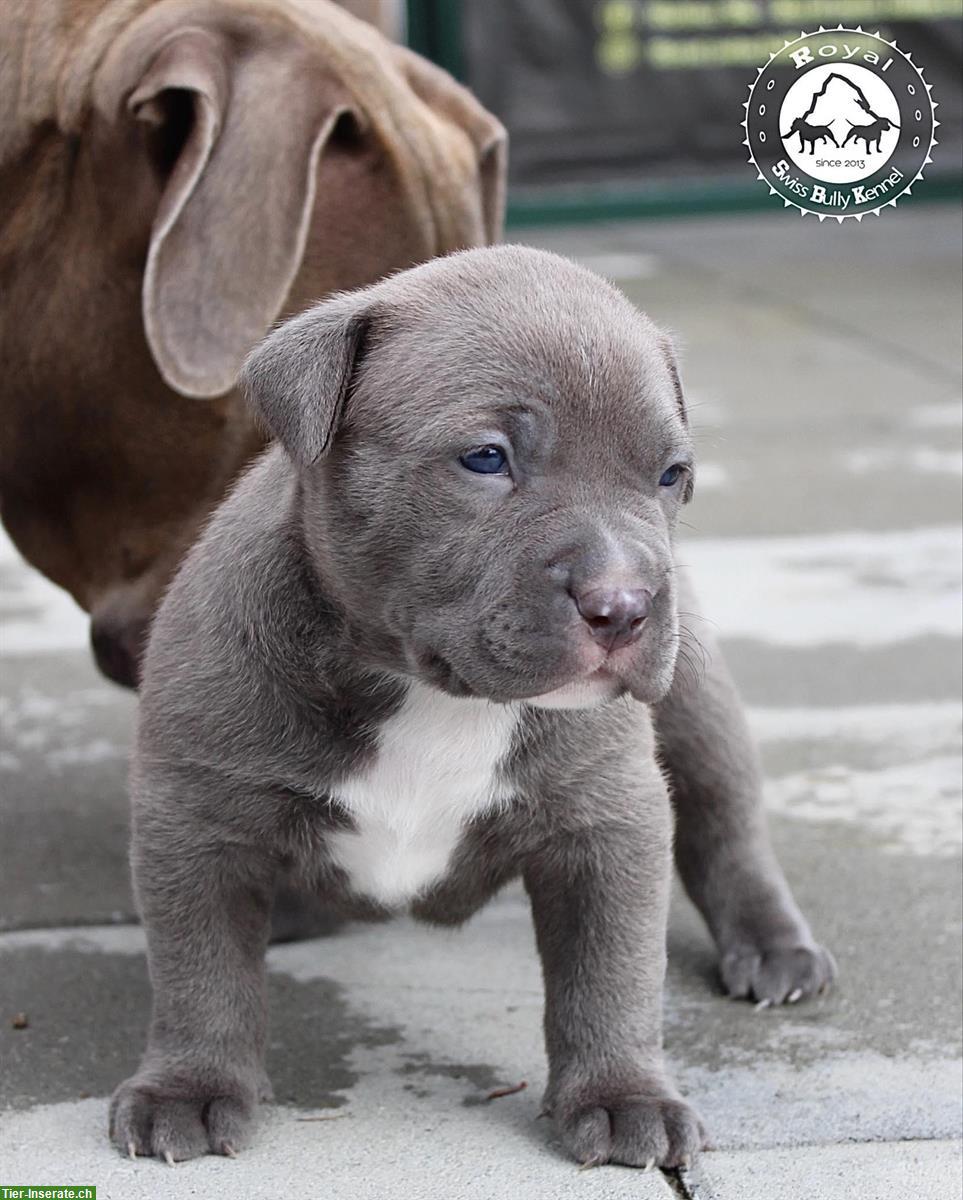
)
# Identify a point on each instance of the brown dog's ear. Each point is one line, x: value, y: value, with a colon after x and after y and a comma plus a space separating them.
x: 298, y: 378
x: 487, y: 134
x: 237, y: 114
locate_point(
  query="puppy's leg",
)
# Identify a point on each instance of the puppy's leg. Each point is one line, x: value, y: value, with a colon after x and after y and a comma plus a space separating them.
x: 296, y: 916
x: 599, y: 900
x: 205, y: 904
x: 722, y: 845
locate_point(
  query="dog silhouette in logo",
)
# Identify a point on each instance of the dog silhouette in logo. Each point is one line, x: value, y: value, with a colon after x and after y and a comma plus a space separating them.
x: 810, y: 133
x: 873, y: 132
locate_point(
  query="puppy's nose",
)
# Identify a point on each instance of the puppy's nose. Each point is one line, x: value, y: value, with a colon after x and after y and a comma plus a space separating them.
x: 614, y: 615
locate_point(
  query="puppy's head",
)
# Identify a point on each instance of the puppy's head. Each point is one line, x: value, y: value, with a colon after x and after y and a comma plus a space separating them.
x: 493, y: 454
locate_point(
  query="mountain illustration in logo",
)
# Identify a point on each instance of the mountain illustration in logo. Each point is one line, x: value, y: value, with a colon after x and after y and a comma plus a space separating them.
x: 839, y: 113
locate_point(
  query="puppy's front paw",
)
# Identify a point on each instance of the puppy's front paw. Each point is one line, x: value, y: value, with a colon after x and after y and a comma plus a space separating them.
x: 174, y: 1118
x: 777, y: 974
x: 637, y: 1130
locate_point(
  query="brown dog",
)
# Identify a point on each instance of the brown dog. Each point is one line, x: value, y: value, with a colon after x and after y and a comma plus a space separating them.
x: 174, y: 176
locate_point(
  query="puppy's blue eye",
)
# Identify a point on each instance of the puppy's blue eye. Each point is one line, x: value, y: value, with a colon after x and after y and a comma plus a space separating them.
x: 485, y: 460
x: 671, y: 475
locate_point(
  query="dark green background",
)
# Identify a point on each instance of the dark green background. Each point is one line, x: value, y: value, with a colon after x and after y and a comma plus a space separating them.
x: 654, y: 140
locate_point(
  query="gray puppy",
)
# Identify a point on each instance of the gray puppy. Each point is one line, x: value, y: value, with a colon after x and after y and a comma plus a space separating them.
x: 415, y: 656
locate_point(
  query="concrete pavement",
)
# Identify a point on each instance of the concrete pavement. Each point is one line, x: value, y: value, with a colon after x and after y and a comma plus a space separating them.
x: 823, y: 371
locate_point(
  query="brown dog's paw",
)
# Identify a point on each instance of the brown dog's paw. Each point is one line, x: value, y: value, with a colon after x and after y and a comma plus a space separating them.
x: 151, y: 1117
x: 636, y: 1131
x: 778, y: 974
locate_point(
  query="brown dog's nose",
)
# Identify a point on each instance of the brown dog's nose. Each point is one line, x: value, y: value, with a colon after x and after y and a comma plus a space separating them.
x: 614, y: 615
x: 117, y: 650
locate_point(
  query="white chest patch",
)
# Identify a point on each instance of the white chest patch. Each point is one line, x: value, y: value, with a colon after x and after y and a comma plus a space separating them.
x: 436, y: 768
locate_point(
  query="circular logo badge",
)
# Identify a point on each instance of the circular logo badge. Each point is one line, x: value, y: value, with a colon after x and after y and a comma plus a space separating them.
x: 840, y: 123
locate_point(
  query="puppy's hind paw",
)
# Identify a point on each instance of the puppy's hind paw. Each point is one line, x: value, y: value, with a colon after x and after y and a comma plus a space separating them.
x: 777, y: 974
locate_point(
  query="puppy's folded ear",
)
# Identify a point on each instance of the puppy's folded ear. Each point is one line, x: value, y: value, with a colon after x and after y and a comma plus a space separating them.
x: 298, y: 378
x: 672, y: 362
x: 229, y: 113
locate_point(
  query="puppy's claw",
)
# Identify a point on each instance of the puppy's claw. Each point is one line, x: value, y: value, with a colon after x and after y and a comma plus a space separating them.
x: 169, y: 1158
x: 131, y: 1150
x: 763, y: 1004
x: 794, y: 995
x: 650, y: 1165
x: 595, y: 1161
x: 228, y: 1150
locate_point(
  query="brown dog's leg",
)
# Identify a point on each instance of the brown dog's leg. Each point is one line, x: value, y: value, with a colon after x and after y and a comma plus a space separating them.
x: 722, y: 847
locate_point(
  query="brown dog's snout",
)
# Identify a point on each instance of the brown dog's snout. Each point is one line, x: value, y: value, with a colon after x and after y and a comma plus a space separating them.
x: 118, y: 647
x: 614, y: 615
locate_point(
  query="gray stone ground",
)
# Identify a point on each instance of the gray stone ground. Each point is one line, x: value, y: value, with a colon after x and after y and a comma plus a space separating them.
x: 824, y: 376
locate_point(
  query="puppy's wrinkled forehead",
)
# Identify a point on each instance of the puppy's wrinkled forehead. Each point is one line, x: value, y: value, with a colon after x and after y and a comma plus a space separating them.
x: 445, y: 351
x: 480, y: 333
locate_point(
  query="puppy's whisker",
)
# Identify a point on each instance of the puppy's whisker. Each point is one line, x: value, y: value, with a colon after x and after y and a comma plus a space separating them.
x: 697, y: 616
